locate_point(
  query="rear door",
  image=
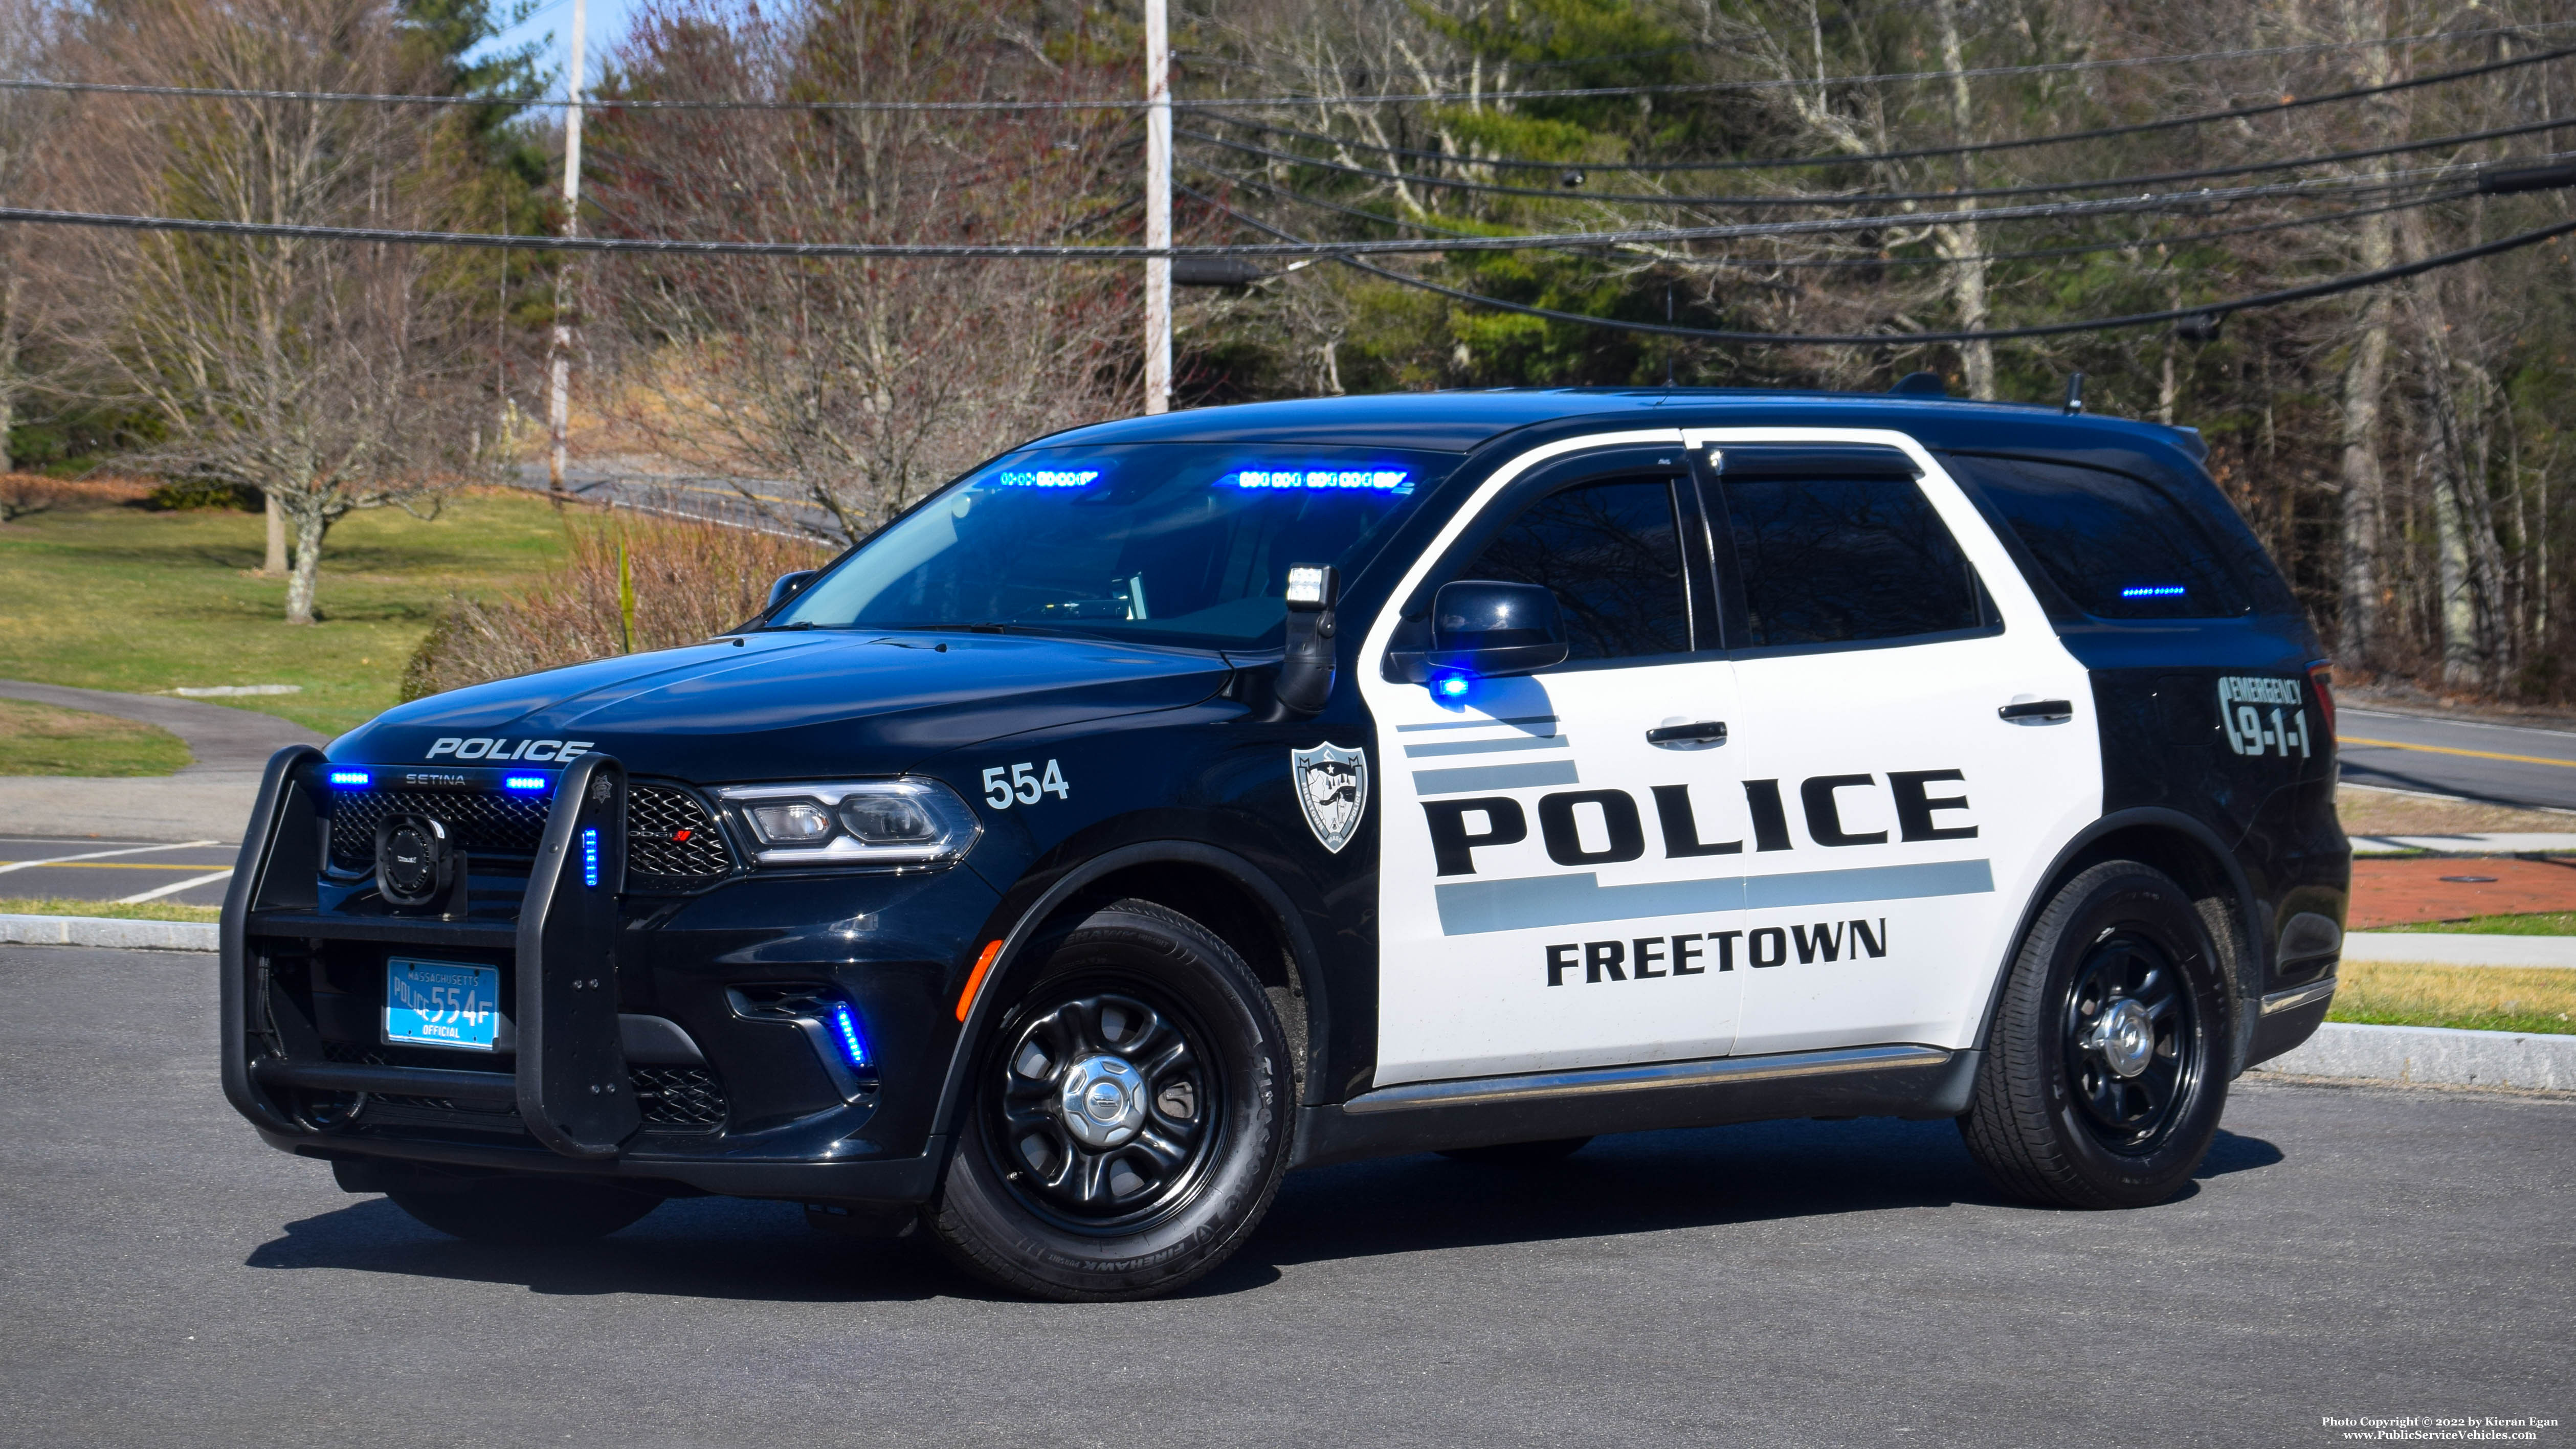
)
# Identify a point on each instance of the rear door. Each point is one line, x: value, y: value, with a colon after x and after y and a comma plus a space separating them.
x: 1883, y: 637
x: 1542, y: 862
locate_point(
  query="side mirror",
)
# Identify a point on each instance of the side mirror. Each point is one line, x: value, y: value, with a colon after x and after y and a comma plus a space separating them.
x: 787, y: 587
x: 1485, y: 627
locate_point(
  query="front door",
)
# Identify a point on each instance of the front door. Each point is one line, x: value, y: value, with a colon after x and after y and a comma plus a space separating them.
x: 1540, y: 854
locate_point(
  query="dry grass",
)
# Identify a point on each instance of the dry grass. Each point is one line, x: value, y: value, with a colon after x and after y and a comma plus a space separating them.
x: 2392, y: 812
x: 23, y: 495
x: 2479, y: 998
x: 691, y: 581
x: 38, y: 739
x: 147, y: 911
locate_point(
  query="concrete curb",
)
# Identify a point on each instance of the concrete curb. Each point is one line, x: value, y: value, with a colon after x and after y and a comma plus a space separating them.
x: 2432, y: 1055
x: 100, y: 931
x: 2460, y: 948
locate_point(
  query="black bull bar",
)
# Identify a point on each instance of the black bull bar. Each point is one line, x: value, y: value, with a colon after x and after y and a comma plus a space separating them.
x: 570, y: 1082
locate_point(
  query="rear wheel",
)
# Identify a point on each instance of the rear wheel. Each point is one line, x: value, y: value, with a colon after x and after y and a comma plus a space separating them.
x: 2103, y: 1079
x: 521, y: 1212
x: 1518, y: 1154
x: 1129, y: 1116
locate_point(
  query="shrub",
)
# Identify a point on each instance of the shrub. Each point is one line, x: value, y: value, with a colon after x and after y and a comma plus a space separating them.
x: 189, y: 493
x: 691, y: 581
x: 24, y: 494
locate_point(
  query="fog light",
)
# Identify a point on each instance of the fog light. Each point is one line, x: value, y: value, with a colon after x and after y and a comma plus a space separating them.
x: 845, y: 1029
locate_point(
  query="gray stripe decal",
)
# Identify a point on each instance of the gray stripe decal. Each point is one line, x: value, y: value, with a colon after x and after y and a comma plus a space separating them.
x: 1473, y: 908
x: 1478, y: 779
x: 1487, y: 747
x: 1478, y: 724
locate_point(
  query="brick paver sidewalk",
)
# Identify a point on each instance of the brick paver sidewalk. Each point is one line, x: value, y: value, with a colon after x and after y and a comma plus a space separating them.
x: 2393, y: 892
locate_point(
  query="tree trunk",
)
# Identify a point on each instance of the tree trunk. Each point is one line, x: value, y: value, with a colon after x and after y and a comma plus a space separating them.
x: 2365, y: 376
x: 274, y: 566
x: 1962, y: 241
x: 308, y: 567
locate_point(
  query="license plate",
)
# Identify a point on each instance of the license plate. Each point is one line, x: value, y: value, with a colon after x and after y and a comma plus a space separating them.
x: 442, y: 1004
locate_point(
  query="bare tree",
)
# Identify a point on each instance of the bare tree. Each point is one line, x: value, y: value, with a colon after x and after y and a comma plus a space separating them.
x: 30, y: 124
x: 331, y: 377
x: 858, y: 383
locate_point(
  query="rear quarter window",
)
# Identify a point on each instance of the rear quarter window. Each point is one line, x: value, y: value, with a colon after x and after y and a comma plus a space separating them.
x: 2118, y: 547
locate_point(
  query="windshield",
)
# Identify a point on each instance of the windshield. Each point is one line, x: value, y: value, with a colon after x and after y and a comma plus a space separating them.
x: 1174, y: 543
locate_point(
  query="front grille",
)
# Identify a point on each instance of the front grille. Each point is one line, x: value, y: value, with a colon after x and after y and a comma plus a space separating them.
x: 689, y: 1099
x: 671, y: 838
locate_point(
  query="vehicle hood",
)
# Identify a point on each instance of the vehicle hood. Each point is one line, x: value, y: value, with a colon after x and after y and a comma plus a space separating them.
x: 777, y: 706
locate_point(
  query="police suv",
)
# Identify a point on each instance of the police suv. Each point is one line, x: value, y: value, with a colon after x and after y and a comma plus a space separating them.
x: 1174, y: 802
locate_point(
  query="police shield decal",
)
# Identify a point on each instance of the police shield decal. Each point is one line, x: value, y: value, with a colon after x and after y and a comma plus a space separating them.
x: 1332, y: 788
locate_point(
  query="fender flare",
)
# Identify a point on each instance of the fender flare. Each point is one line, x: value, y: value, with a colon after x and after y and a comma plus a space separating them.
x: 1301, y: 951
x: 2147, y: 815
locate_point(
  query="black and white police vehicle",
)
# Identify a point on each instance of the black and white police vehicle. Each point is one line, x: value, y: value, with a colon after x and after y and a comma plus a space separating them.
x: 1174, y: 802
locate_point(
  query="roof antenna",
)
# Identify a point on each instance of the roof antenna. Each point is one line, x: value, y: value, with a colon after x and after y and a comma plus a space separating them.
x: 2074, y: 393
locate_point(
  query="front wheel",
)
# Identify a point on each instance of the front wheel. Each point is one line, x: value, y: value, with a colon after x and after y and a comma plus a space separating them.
x: 2104, y: 1073
x: 1129, y: 1115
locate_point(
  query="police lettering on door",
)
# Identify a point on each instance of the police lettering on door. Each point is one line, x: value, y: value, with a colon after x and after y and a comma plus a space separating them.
x: 1598, y: 827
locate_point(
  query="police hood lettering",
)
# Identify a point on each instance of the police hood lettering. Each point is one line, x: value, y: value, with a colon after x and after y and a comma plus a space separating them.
x: 482, y: 747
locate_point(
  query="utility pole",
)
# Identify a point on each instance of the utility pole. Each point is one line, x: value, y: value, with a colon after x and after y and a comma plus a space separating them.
x: 559, y: 358
x: 1158, y: 205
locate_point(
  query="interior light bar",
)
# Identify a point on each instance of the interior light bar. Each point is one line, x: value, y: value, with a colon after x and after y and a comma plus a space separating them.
x: 352, y: 779
x: 1047, y: 478
x: 2152, y: 591
x: 1381, y: 480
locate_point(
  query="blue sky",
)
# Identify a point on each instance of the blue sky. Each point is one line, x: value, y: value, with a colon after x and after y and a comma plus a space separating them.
x: 551, y: 26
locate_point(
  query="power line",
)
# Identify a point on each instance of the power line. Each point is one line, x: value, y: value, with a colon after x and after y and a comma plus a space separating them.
x: 1038, y: 251
x: 2277, y: 298
x: 1863, y: 198
x: 596, y: 102
x: 1781, y: 163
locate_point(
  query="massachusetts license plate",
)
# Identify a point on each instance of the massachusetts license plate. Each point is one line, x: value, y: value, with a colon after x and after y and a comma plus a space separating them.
x: 442, y: 1003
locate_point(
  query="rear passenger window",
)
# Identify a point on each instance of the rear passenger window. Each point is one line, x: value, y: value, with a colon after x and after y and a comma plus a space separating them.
x: 2117, y: 546
x: 1846, y: 561
x: 1612, y: 555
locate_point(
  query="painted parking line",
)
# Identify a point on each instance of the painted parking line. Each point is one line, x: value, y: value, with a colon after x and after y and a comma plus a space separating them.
x: 2450, y: 750
x: 102, y: 854
x: 173, y: 889
x: 106, y: 864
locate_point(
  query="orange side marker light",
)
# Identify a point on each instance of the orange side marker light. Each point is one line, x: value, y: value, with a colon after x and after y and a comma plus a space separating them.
x: 975, y: 979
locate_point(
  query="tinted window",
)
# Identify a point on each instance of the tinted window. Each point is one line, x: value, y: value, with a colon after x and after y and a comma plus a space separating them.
x: 1178, y: 543
x: 1613, y: 557
x: 1842, y: 560
x: 2117, y: 546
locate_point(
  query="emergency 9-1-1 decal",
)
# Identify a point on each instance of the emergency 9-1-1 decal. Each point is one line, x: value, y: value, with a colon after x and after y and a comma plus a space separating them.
x: 1332, y: 788
x: 2263, y: 715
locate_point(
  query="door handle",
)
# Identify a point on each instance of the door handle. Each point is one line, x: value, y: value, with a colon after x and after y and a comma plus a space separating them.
x: 2051, y: 710
x: 1693, y: 736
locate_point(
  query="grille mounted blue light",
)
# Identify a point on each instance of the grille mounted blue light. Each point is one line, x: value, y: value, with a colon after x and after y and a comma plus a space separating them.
x: 2152, y: 591
x: 523, y: 782
x: 1379, y: 480
x: 845, y: 1028
x: 1450, y: 686
x: 590, y: 858
x: 352, y: 779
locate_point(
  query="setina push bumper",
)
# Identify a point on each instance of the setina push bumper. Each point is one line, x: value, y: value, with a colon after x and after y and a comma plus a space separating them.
x: 544, y: 1072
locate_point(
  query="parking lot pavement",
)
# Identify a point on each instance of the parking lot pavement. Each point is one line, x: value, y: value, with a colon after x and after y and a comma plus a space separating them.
x: 2346, y: 1252
x: 87, y: 868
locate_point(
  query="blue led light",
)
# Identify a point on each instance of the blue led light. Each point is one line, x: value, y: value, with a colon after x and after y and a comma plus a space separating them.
x: 1377, y: 480
x: 523, y: 782
x: 845, y: 1023
x: 2152, y: 591
x: 354, y: 779
x: 1451, y: 686
x: 1047, y: 478
x: 590, y: 858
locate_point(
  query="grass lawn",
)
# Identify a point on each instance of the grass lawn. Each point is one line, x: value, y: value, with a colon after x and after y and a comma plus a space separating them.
x: 2546, y: 923
x: 2479, y: 998
x: 145, y: 602
x: 38, y: 739
x: 148, y: 911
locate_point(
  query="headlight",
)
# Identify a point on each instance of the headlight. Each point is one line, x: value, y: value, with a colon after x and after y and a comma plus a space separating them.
x: 857, y: 823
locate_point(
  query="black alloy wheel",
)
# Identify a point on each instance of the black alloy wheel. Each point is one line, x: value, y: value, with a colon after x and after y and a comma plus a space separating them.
x: 1128, y: 1117
x: 2102, y: 1083
x: 1102, y: 1117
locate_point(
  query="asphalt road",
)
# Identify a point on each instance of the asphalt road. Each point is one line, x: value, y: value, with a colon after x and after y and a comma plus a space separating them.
x: 88, y: 868
x: 2506, y: 764
x: 2347, y: 1251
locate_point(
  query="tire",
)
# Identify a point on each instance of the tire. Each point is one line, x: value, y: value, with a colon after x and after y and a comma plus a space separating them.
x: 520, y: 1211
x: 1518, y: 1154
x: 1046, y: 1196
x: 2105, y: 1071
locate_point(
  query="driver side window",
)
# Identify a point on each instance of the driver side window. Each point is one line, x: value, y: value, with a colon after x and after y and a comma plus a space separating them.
x: 1611, y: 553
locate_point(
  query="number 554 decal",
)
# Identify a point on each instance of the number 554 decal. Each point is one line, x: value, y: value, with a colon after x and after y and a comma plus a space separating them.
x: 1021, y: 784
x: 2263, y: 715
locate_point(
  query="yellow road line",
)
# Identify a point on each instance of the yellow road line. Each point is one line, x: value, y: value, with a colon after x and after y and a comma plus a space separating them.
x: 2447, y: 750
